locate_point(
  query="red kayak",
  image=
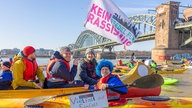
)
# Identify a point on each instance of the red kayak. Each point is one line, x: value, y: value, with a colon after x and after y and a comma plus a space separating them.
x: 140, y: 92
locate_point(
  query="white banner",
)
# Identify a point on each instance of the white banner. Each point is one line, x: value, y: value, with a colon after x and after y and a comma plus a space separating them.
x: 106, y: 19
x: 89, y: 100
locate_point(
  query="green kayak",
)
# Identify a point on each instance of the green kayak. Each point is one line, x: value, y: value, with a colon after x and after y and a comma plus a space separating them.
x: 169, y: 81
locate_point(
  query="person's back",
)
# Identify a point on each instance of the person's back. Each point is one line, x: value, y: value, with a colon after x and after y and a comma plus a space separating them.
x: 25, y: 71
x: 55, y: 57
x: 6, y: 77
x: 153, y: 66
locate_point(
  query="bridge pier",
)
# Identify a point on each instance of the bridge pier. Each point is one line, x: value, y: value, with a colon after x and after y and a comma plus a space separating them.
x: 167, y: 39
x: 160, y: 55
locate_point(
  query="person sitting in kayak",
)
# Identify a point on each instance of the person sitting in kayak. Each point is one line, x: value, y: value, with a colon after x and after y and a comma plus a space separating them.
x: 104, y: 70
x: 25, y: 71
x: 6, y: 77
x: 87, y: 68
x: 55, y: 57
x: 153, y: 66
x: 60, y: 75
x: 131, y: 63
x: 119, y: 63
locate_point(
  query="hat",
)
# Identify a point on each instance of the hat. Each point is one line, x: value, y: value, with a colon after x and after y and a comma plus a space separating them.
x: 89, y: 50
x: 28, y: 50
x: 65, y: 49
x: 7, y: 64
x: 104, y: 63
x: 57, y: 55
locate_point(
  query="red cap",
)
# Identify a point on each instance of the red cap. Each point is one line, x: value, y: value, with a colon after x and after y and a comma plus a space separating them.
x: 28, y: 50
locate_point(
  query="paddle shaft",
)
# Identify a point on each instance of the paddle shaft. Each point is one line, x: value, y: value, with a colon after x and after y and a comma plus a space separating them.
x: 37, y: 85
x: 87, y: 91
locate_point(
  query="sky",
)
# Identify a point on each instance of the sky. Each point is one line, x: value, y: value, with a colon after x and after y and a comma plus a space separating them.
x: 51, y: 24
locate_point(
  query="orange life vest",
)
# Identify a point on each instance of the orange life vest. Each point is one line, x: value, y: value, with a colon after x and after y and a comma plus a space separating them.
x: 51, y: 63
x: 31, y: 69
x: 120, y: 63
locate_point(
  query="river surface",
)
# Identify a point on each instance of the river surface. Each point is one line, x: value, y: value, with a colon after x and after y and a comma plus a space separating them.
x: 181, y: 89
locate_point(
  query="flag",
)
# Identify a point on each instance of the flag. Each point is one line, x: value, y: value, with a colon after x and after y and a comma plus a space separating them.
x: 106, y: 19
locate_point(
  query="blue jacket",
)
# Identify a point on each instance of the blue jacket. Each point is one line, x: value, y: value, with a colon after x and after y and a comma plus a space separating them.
x: 60, y: 70
x: 6, y: 75
x: 115, y: 81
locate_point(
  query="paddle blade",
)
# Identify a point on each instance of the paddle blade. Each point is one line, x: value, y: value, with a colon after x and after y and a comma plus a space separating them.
x: 148, y: 81
x: 37, y: 100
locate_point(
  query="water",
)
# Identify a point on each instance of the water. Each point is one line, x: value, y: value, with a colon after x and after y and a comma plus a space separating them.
x: 181, y: 89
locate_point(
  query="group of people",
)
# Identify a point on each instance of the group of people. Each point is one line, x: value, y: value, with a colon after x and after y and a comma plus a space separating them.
x: 25, y: 73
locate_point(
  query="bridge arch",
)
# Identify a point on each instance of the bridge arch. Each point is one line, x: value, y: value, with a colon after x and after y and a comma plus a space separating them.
x: 144, y: 22
x: 86, y: 34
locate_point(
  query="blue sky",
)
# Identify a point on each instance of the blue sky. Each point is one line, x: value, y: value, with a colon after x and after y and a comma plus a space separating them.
x: 51, y: 24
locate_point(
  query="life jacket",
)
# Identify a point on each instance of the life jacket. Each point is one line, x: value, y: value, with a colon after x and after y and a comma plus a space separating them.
x: 110, y: 93
x: 67, y: 64
x: 105, y: 80
x: 120, y: 63
x: 50, y: 65
x: 91, y: 68
x: 31, y: 69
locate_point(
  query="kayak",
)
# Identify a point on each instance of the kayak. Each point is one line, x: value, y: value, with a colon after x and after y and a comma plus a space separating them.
x: 138, y: 71
x: 46, y: 92
x: 169, y: 81
x: 37, y: 92
x: 174, y: 71
x: 16, y: 98
x: 140, y: 92
x: 122, y: 67
x: 138, y: 102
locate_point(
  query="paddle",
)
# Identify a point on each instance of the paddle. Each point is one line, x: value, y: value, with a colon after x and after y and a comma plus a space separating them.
x: 149, y: 81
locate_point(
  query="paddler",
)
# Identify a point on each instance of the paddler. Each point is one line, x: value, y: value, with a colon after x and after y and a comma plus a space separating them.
x: 104, y: 70
x: 87, y: 68
x: 25, y: 71
x: 61, y: 75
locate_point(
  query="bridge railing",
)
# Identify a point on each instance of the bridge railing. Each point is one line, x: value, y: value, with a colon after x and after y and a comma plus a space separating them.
x: 185, y: 24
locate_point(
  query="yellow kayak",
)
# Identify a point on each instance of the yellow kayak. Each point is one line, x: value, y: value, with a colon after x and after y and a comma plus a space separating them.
x: 63, y: 102
x: 5, y: 94
x: 174, y: 71
x: 138, y: 71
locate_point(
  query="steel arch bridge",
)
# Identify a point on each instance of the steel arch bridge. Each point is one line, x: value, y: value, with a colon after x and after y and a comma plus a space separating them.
x: 144, y: 22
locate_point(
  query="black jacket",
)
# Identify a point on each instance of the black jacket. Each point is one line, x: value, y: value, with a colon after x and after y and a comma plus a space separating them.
x: 87, y: 71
